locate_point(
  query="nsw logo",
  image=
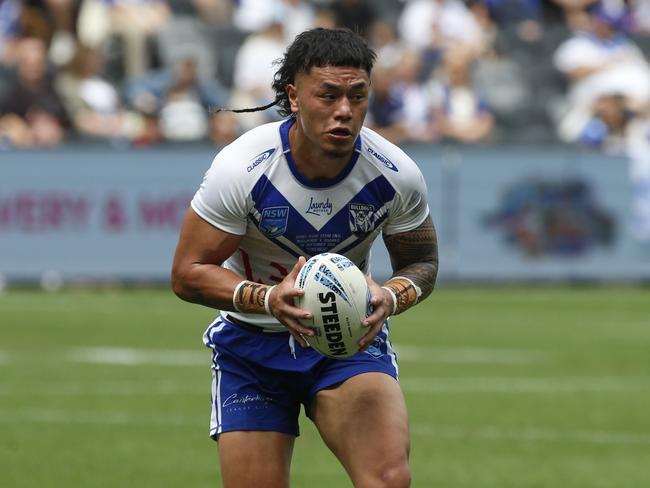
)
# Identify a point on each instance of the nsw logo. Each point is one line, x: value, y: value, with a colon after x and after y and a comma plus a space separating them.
x: 274, y: 221
x: 259, y: 159
x: 387, y: 162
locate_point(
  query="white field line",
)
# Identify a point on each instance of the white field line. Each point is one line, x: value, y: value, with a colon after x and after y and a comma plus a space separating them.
x: 515, y: 385
x: 468, y: 355
x: 108, y: 388
x: 51, y: 416
x: 125, y: 356
x: 489, y: 433
x: 533, y: 434
x: 433, y: 385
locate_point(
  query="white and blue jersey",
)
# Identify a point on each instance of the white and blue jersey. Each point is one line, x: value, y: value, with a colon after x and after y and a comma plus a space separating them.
x: 254, y: 189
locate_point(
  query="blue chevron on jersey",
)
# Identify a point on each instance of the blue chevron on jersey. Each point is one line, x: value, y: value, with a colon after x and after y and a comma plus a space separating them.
x: 255, y: 190
x: 297, y: 231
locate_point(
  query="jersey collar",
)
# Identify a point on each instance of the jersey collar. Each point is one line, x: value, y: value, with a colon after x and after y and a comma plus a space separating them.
x: 321, y: 183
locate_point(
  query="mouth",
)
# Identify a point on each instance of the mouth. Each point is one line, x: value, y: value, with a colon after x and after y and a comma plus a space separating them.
x: 340, y: 133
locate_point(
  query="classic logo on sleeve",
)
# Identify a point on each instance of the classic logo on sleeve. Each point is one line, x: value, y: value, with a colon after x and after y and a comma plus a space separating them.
x: 385, y: 161
x: 259, y: 159
x: 273, y: 222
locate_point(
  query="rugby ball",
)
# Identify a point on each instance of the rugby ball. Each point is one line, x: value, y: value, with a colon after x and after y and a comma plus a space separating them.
x: 337, y: 294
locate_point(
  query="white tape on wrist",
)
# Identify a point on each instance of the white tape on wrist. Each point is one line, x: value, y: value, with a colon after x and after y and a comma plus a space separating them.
x: 418, y: 290
x: 392, y: 294
x: 266, y: 300
x: 234, y: 295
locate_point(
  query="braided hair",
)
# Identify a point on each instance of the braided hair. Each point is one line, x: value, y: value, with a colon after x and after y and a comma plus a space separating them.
x: 315, y: 47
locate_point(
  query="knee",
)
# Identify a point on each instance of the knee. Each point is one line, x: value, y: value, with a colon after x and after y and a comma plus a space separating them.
x: 396, y: 476
x: 393, y: 475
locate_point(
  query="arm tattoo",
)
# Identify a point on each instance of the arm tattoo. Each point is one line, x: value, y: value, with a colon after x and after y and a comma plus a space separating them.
x: 405, y: 291
x: 414, y: 255
x: 249, y: 297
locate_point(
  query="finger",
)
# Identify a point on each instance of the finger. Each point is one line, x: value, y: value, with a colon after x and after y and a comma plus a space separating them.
x: 379, y: 314
x: 301, y: 329
x: 297, y: 267
x: 366, y: 340
x: 369, y: 338
x: 295, y: 325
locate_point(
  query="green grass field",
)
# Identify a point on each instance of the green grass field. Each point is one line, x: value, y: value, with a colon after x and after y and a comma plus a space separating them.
x: 507, y: 387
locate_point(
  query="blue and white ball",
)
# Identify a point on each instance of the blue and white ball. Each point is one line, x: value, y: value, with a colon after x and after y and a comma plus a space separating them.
x: 337, y: 294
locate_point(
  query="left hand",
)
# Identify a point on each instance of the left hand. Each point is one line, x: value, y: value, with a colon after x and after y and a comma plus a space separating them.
x: 382, y: 303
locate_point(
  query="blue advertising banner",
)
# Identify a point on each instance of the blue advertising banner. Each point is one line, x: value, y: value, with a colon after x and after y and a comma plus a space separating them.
x: 502, y: 213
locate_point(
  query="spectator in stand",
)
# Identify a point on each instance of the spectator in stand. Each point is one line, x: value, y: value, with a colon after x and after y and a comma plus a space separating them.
x: 600, y: 62
x: 356, y: 15
x: 53, y: 21
x: 190, y: 23
x: 10, y: 32
x: 254, y: 71
x: 299, y: 15
x: 432, y: 25
x: 385, y: 105
x: 606, y: 127
x: 460, y: 111
x: 384, y: 40
x: 93, y: 103
x: 641, y: 16
x: 133, y: 23
x: 182, y: 101
x: 251, y: 16
x: 521, y: 17
x: 31, y: 111
x: 63, y: 44
x: 401, y: 105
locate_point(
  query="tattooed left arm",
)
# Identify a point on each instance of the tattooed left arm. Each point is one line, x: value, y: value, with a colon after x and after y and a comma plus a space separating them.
x: 414, y: 258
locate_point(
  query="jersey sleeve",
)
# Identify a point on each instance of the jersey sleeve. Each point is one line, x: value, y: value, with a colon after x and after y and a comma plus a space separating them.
x: 221, y: 199
x: 410, y: 207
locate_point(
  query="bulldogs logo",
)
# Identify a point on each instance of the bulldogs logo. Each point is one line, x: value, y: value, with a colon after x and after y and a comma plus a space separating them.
x: 362, y: 219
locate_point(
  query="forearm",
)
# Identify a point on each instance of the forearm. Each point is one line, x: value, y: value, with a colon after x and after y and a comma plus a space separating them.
x: 414, y: 256
x: 217, y: 287
x: 411, y: 284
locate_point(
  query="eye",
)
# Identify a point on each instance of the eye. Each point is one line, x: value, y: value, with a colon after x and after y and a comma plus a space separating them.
x: 327, y: 96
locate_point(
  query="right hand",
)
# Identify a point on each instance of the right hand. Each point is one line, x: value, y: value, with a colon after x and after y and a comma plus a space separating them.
x: 282, y: 305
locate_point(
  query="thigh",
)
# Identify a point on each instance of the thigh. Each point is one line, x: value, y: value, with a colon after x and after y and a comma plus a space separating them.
x: 251, y: 459
x: 365, y: 423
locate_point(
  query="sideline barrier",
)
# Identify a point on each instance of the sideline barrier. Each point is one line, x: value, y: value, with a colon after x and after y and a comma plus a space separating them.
x: 502, y: 213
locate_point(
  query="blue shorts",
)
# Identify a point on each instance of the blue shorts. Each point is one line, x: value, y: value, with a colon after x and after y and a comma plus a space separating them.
x: 260, y: 379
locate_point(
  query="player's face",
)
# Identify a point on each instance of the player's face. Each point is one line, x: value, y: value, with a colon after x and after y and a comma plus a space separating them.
x: 330, y: 104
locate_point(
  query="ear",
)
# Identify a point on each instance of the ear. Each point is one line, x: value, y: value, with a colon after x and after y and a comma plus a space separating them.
x: 293, y: 98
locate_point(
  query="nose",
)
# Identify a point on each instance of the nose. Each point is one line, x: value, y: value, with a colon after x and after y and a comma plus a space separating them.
x: 343, y: 109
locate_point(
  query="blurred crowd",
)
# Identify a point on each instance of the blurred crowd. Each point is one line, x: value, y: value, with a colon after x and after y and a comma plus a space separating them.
x: 139, y: 72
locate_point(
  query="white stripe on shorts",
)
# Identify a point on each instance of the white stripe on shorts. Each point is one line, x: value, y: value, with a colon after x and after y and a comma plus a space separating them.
x: 390, y: 351
x: 215, y: 415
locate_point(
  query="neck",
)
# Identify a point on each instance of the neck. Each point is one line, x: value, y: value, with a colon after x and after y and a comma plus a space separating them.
x: 312, y: 162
